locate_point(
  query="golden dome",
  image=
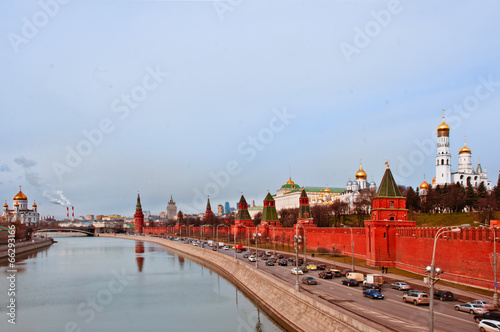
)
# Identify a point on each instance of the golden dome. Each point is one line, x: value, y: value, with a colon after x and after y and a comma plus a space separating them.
x: 465, y: 149
x: 16, y: 204
x: 6, y: 205
x: 327, y: 190
x: 443, y: 126
x: 434, y: 180
x: 424, y: 185
x: 34, y: 204
x: 290, y: 181
x: 20, y: 196
x: 361, y: 174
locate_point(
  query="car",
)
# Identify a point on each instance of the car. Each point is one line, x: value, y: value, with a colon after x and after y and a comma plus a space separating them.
x: 291, y: 259
x: 296, y: 271
x: 309, y: 281
x: 471, y: 308
x: 344, y: 272
x: 246, y: 255
x: 283, y: 262
x: 280, y: 256
x: 214, y: 248
x: 304, y: 269
x: 269, y: 263
x: 273, y: 258
x: 336, y: 273
x: 239, y: 251
x: 489, y: 325
x: 350, y: 282
x: 484, y: 304
x: 226, y: 247
x: 311, y: 266
x: 492, y: 315
x: 373, y: 294
x: 444, y: 295
x: 401, y: 286
x: 268, y: 253
x: 372, y: 286
x: 325, y: 275
x: 416, y: 297
x: 252, y: 258
x: 321, y: 266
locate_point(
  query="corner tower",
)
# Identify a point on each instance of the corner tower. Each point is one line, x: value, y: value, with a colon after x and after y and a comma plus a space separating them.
x: 269, y: 214
x: 443, y: 157
x: 138, y: 216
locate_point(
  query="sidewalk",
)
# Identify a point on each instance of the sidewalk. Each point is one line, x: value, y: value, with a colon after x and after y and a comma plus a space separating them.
x: 460, y: 295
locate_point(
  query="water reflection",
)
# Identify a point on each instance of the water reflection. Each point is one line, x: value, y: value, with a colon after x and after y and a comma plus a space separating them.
x: 181, y: 262
x: 139, y: 252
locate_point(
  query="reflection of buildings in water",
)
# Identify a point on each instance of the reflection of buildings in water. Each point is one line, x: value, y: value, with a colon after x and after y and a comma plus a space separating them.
x: 139, y: 251
x: 258, y: 326
x: 181, y: 261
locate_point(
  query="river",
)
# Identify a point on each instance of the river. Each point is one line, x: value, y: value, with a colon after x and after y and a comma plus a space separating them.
x: 106, y: 284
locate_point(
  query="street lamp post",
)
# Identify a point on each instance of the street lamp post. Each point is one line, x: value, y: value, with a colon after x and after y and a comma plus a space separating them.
x: 435, y: 272
x: 256, y: 235
x: 296, y: 241
x: 218, y: 237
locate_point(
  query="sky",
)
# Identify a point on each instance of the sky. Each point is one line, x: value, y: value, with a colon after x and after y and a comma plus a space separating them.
x: 103, y: 99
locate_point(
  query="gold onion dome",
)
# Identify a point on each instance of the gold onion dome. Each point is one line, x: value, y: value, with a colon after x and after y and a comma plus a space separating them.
x: 6, y: 205
x: 361, y: 174
x: 327, y: 190
x: 434, y: 180
x: 290, y: 181
x: 443, y: 126
x: 20, y: 196
x: 424, y: 185
x: 34, y: 204
x: 465, y: 149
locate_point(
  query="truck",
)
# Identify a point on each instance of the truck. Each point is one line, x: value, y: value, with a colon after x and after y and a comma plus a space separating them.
x: 221, y: 244
x: 374, y: 279
x: 355, y: 275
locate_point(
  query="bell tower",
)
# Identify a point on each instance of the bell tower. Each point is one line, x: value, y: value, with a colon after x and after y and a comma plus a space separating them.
x: 138, y: 217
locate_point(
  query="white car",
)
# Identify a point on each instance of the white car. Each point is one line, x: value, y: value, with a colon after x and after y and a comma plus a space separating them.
x: 252, y: 258
x: 296, y: 271
x: 489, y: 325
x: 471, y: 308
x: 401, y: 286
x: 483, y: 304
x: 226, y: 247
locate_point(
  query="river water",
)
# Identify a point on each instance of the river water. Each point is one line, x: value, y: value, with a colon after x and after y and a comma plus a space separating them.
x: 106, y: 284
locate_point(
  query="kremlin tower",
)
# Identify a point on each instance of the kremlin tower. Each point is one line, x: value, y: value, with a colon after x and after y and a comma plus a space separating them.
x: 138, y: 216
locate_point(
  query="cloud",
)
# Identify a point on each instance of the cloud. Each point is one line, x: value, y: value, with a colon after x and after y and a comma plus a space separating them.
x: 4, y: 168
x: 53, y: 195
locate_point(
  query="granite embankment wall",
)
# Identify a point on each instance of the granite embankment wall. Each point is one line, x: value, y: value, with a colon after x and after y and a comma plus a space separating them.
x: 292, y: 309
x: 25, y: 247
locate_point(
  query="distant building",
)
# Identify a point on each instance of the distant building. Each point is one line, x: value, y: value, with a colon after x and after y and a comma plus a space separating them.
x: 220, y: 209
x: 466, y: 173
x: 171, y: 209
x: 89, y: 217
x: 20, y: 212
x: 163, y: 215
x: 227, y: 208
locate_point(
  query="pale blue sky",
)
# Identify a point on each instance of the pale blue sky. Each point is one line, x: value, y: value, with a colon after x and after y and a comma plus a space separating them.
x: 316, y: 94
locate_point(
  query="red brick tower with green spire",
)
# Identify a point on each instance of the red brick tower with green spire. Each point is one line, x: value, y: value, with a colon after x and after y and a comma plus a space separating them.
x: 269, y: 213
x: 243, y: 216
x: 208, y: 212
x: 138, y: 216
x: 305, y: 216
x: 388, y: 213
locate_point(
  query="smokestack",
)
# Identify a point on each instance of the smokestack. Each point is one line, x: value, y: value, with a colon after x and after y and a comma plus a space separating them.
x: 67, y: 212
x: 73, y: 213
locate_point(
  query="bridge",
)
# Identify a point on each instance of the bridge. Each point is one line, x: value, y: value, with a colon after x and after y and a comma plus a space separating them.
x: 87, y: 230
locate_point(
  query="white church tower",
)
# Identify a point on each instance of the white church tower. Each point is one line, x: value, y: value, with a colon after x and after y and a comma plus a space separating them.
x: 464, y: 160
x: 443, y: 157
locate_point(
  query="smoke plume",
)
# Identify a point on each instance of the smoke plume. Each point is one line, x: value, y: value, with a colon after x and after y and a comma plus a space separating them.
x: 53, y: 195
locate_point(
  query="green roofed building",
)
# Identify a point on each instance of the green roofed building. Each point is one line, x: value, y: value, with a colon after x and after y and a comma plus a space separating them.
x: 269, y: 213
x: 243, y: 216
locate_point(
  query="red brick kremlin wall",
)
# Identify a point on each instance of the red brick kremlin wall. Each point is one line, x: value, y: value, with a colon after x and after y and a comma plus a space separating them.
x: 464, y: 257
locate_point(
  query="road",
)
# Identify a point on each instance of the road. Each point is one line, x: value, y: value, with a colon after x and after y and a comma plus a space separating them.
x: 391, y: 312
